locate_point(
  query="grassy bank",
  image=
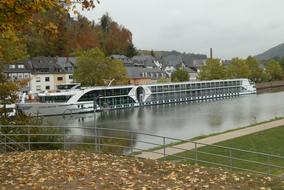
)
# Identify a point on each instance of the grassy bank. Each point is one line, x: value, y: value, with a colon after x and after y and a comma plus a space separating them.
x: 269, y: 141
x: 205, y: 136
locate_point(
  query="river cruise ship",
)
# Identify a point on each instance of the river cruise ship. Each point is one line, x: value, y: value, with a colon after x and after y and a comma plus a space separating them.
x: 123, y: 97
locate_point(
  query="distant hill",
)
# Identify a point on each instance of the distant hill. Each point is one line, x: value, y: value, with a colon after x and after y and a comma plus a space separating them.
x: 275, y: 52
x: 186, y: 57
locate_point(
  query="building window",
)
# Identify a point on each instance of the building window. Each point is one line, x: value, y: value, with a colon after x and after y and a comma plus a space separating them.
x: 21, y: 66
x: 37, y: 79
x: 26, y: 75
x: 70, y: 76
x: 12, y: 67
x: 47, y: 79
x: 38, y: 88
x: 60, y: 78
x: 47, y: 88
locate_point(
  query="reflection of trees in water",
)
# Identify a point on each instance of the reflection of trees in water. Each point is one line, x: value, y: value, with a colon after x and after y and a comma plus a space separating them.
x: 114, y: 115
x: 116, y: 142
x: 102, y: 140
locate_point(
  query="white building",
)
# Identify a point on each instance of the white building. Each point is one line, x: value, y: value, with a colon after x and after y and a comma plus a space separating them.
x: 49, y: 72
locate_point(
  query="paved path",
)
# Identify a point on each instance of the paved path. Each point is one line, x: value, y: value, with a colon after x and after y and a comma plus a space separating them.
x: 210, y: 140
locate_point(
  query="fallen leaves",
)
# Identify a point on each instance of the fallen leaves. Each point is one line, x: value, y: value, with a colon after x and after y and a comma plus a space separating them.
x: 52, y: 170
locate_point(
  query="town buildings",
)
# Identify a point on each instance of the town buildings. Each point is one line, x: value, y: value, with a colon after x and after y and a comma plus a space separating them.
x: 42, y: 73
x: 46, y: 73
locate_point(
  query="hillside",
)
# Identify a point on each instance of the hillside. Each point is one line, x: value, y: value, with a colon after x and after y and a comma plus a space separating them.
x: 277, y: 51
x: 82, y: 170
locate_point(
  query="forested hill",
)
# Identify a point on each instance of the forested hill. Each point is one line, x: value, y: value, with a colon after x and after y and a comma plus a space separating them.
x: 65, y: 35
x: 275, y: 52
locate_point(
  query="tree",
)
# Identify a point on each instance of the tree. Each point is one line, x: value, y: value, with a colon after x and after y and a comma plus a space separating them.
x: 255, y: 70
x: 212, y: 70
x: 8, y: 94
x: 152, y: 53
x: 164, y: 80
x: 180, y: 75
x: 105, y: 22
x: 17, y: 15
x: 11, y: 48
x: 273, y: 70
x: 94, y: 68
x: 131, y: 50
x: 281, y: 62
x: 238, y: 69
x: 114, y: 38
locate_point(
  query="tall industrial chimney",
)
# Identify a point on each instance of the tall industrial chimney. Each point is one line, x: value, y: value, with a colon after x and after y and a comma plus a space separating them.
x: 211, y: 53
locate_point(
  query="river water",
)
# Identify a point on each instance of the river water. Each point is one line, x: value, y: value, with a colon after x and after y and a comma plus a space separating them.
x: 184, y: 121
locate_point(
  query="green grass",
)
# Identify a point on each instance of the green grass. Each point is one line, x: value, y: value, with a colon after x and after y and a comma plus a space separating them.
x: 203, y: 136
x: 270, y: 141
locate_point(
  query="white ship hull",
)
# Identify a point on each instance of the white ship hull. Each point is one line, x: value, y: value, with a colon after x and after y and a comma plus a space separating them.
x: 122, y: 97
x: 44, y: 109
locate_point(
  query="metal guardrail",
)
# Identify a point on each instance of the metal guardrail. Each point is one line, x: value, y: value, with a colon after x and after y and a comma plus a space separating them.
x: 106, y: 140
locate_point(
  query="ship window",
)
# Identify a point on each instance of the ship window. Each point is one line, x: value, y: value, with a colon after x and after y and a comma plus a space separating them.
x: 166, y: 88
x: 90, y: 96
x: 50, y: 99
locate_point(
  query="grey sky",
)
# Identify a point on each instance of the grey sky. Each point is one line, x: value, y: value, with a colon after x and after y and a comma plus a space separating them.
x: 231, y: 27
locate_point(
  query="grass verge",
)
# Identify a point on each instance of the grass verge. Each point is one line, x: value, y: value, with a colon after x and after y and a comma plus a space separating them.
x: 268, y: 141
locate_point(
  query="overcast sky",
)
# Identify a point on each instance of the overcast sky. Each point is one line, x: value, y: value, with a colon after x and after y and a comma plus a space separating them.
x: 233, y: 28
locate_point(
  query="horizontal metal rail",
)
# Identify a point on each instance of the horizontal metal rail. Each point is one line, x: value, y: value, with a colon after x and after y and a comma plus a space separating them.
x: 98, y: 138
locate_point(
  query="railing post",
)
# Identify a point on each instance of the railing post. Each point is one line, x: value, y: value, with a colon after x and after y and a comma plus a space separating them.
x: 195, y: 150
x: 268, y: 164
x: 64, y: 139
x: 164, y: 145
x: 231, y: 160
x: 131, y: 145
x: 5, y: 144
x: 29, y: 138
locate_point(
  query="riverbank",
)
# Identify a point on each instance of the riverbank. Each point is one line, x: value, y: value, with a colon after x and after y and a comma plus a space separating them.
x: 267, y: 142
x: 267, y: 85
x: 188, y: 146
x: 82, y: 170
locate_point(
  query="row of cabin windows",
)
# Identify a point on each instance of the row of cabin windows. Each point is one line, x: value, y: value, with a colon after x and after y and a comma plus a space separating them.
x: 197, y: 93
x: 165, y: 88
x: 90, y: 96
x: 52, y: 99
x: 105, y: 102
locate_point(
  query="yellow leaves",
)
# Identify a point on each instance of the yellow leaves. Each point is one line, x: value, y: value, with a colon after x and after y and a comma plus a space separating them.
x: 9, y: 3
x: 70, y: 178
x: 68, y: 2
x: 52, y: 28
x: 41, y: 180
x: 113, y: 172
